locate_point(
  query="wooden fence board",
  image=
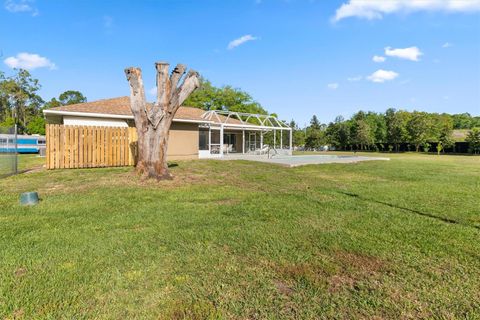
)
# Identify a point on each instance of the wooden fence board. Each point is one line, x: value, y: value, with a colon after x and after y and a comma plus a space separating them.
x: 102, y: 147
x: 89, y: 147
x: 117, y: 149
x: 68, y: 147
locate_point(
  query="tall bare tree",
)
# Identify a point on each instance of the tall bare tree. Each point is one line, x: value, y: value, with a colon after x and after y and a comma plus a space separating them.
x: 153, y: 121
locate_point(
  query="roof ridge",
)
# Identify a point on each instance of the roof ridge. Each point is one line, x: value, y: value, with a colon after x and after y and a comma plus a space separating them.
x: 89, y: 102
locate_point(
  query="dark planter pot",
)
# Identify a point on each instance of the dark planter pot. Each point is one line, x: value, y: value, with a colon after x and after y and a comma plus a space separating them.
x: 29, y: 198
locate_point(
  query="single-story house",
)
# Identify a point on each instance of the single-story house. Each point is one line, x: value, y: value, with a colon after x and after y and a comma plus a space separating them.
x: 195, y: 133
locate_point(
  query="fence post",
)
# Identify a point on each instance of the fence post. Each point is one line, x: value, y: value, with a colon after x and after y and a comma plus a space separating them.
x: 15, y: 158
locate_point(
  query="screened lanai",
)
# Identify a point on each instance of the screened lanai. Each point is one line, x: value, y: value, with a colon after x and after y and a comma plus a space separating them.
x: 228, y: 132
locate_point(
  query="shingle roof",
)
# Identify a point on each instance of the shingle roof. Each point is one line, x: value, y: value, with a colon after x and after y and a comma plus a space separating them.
x: 121, y: 106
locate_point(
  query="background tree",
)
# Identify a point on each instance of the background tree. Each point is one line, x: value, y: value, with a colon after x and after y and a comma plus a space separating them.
x: 396, y: 123
x: 371, y: 130
x: 209, y: 97
x: 71, y: 97
x: 53, y: 103
x: 315, y: 137
x: 36, y: 126
x: 462, y: 121
x: 298, y: 135
x: 338, y: 133
x: 363, y: 135
x: 153, y: 121
x: 445, y: 131
x: 378, y: 128
x: 314, y: 123
x: 19, y: 98
x: 473, y: 139
x: 65, y: 98
x: 418, y: 128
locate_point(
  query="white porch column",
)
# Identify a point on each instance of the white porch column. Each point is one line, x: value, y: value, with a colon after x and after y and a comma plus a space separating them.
x: 221, y: 140
x: 274, y: 139
x: 261, y: 139
x: 209, y: 140
x: 291, y: 140
x: 243, y: 141
x: 281, y: 138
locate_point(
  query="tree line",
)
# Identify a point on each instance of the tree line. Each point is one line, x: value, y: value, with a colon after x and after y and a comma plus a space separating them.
x: 389, y: 131
x: 21, y: 104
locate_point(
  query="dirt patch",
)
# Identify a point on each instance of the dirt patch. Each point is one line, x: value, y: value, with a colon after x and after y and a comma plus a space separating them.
x: 363, y: 263
x: 355, y: 268
x: 35, y: 169
x: 302, y: 272
x: 283, y: 288
x: 20, y: 272
x: 17, y: 314
x: 193, y: 310
x: 347, y: 271
x: 340, y: 282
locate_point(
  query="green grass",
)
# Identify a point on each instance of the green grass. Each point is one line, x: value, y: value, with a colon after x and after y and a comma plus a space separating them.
x: 25, y: 162
x: 244, y: 240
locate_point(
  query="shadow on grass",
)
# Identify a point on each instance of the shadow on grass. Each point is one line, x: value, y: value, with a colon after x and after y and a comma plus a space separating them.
x: 420, y: 213
x: 6, y: 175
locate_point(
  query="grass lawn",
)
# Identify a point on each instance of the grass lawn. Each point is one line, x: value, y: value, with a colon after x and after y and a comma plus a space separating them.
x: 25, y: 162
x: 245, y: 240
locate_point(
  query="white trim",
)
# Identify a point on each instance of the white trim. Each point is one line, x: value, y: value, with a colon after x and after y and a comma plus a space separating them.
x: 130, y: 117
x: 246, y: 126
x: 96, y: 122
x: 262, y: 118
x: 110, y: 116
x: 191, y: 121
x: 87, y: 114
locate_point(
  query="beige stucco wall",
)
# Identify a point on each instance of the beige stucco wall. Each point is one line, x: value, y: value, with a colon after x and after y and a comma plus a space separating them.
x: 183, y: 141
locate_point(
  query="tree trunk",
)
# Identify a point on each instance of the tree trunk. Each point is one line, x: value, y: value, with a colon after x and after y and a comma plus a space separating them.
x: 153, y: 121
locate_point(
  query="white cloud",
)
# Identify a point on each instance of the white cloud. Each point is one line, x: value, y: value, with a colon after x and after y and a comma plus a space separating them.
x: 447, y: 45
x: 378, y: 59
x: 356, y: 78
x: 333, y: 86
x: 29, y: 61
x: 152, y: 91
x: 235, y: 43
x: 376, y: 9
x: 411, y: 53
x: 108, y: 22
x: 16, y: 6
x: 381, y: 75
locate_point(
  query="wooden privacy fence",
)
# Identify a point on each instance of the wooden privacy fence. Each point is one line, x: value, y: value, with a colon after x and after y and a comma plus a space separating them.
x: 89, y: 147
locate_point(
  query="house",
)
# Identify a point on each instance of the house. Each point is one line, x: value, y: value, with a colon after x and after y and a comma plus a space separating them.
x: 195, y: 133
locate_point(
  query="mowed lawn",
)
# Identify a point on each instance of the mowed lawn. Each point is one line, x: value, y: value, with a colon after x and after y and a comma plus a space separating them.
x: 244, y: 240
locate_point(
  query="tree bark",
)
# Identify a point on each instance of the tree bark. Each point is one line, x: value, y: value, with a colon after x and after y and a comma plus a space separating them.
x: 153, y: 121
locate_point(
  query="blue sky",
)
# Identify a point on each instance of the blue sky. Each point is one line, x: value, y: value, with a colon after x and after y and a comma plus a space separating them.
x: 296, y: 57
